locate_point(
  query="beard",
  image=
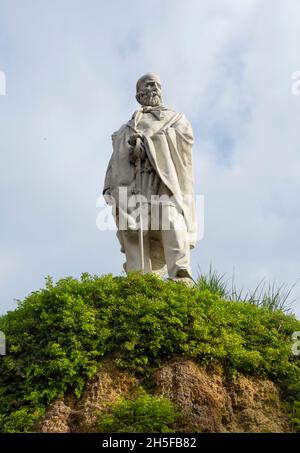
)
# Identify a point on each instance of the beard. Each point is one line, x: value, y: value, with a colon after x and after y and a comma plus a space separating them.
x: 151, y: 99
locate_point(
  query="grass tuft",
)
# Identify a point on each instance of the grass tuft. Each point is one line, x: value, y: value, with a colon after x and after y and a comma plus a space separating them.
x: 267, y: 295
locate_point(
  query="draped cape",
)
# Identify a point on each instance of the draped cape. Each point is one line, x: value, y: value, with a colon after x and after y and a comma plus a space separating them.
x: 168, y: 141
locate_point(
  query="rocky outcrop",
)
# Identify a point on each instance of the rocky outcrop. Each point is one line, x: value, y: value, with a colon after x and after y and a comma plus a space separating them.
x: 208, y: 402
x: 72, y: 415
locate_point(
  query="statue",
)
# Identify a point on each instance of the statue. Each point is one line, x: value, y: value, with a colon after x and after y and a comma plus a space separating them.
x: 151, y: 169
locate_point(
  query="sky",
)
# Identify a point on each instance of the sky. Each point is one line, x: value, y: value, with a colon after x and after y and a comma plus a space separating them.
x: 71, y: 67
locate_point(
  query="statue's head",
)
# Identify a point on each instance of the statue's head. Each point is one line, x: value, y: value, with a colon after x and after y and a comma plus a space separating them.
x: 148, y: 90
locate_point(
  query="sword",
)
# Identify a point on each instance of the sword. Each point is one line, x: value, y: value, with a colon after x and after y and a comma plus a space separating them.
x: 138, y: 166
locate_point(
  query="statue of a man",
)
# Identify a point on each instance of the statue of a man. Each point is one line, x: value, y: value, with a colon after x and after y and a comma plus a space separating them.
x: 152, y: 159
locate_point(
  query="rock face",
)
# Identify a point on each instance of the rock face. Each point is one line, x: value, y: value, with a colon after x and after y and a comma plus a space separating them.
x: 208, y: 402
x: 72, y: 415
x: 56, y: 419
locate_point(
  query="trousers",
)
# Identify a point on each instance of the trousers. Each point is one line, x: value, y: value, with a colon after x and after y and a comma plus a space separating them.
x: 165, y: 251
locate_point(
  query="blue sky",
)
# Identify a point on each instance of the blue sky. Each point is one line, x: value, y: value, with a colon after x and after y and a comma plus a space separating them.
x: 71, y: 68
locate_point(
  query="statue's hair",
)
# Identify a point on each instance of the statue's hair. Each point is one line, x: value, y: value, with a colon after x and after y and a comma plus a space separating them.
x: 144, y: 77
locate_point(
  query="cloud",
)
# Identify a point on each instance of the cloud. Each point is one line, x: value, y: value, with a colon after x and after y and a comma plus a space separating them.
x: 71, y: 68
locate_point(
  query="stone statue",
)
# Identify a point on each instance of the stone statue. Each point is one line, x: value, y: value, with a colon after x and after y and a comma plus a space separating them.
x: 151, y: 169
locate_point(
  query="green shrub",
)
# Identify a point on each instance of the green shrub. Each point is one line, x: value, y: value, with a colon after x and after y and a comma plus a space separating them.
x: 296, y: 416
x: 58, y: 335
x: 143, y: 414
x: 21, y: 420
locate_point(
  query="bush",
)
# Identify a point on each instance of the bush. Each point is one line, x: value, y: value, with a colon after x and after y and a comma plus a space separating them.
x: 296, y: 416
x: 58, y: 335
x: 143, y: 414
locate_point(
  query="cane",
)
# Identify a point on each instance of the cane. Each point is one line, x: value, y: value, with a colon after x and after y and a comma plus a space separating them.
x: 138, y: 166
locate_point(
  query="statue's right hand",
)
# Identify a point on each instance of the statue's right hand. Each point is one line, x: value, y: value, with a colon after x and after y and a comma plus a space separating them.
x: 138, y: 152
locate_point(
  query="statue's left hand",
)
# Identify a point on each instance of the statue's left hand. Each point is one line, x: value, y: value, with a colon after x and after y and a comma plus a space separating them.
x: 132, y: 140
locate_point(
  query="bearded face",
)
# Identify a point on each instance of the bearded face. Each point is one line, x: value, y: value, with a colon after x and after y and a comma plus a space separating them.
x: 150, y: 93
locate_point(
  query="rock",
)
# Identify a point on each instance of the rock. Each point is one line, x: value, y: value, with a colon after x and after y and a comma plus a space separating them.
x: 56, y: 419
x: 208, y: 401
x: 257, y: 406
x: 72, y: 415
x: 109, y: 384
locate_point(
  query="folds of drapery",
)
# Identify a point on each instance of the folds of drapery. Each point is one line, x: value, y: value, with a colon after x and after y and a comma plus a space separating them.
x: 168, y: 145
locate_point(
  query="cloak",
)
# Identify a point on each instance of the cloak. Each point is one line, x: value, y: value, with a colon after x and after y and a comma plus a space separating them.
x: 168, y: 139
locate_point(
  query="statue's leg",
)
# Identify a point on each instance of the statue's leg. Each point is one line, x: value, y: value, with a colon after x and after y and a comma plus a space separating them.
x: 158, y: 261
x: 130, y: 241
x: 176, y: 246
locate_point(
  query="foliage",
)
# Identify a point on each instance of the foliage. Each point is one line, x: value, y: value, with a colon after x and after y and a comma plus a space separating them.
x: 58, y: 335
x: 143, y: 414
x: 296, y: 416
x: 21, y: 420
